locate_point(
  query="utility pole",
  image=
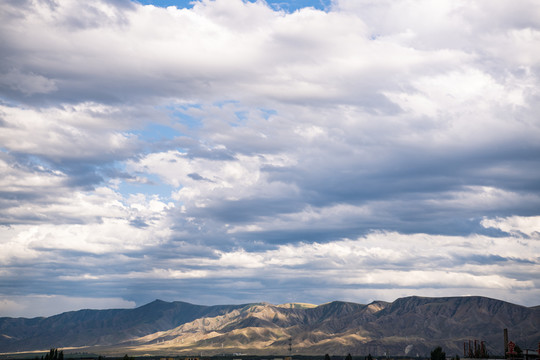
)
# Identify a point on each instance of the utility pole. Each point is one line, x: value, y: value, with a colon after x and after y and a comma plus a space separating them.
x: 290, y: 347
x: 505, y: 343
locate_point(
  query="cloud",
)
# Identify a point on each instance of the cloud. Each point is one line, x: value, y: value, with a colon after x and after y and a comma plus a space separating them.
x: 302, y: 57
x: 385, y: 263
x: 381, y: 148
x: 103, y: 224
x: 28, y: 84
x: 517, y: 225
x: 82, y: 132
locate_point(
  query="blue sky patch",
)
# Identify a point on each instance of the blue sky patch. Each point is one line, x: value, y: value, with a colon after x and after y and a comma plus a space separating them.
x: 288, y: 6
x: 156, y: 132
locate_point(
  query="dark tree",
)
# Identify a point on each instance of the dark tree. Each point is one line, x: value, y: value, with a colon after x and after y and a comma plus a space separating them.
x: 438, y: 354
x: 349, y: 357
x: 369, y: 357
x: 54, y: 355
x: 326, y: 357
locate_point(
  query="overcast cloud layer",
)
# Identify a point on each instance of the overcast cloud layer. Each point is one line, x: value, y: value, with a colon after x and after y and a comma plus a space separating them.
x: 230, y: 152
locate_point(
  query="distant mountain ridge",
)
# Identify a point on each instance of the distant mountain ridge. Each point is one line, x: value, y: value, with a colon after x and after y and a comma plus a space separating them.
x: 100, y: 327
x: 407, y: 326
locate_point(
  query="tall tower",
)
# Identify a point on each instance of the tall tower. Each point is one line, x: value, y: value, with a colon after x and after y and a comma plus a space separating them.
x: 290, y: 346
x: 505, y: 342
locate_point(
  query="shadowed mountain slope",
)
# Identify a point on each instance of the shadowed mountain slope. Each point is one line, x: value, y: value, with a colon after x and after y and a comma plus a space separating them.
x: 100, y: 327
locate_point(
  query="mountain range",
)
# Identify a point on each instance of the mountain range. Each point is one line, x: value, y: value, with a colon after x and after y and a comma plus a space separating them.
x: 410, y: 326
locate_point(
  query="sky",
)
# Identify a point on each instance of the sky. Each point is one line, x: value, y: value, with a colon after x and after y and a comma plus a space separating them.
x: 229, y: 151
